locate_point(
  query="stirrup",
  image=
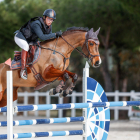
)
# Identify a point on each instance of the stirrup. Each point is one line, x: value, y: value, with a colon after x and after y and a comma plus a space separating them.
x: 23, y: 74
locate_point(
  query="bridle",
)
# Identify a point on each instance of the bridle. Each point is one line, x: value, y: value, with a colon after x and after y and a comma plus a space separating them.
x: 90, y: 56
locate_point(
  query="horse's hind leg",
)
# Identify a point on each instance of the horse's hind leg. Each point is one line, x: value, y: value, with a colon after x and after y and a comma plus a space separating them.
x: 2, y: 79
x: 3, y: 102
x: 1, y: 93
x: 61, y: 85
x: 69, y: 90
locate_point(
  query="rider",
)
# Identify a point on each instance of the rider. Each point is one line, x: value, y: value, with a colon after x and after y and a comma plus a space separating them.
x: 40, y: 28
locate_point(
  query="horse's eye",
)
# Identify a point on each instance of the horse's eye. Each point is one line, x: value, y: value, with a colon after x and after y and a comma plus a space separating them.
x: 91, y: 44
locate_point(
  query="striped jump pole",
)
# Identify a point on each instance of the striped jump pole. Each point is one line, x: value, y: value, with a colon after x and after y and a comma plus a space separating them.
x: 44, y: 121
x: 44, y: 134
x: 75, y: 105
x: 72, y: 106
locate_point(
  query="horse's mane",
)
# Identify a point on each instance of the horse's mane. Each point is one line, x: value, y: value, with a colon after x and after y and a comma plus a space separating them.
x: 71, y: 29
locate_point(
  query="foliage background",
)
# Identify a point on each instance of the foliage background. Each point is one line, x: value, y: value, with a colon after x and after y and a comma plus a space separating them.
x: 119, y: 35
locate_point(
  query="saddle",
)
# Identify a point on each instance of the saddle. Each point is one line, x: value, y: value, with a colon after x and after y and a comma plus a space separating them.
x: 32, y: 57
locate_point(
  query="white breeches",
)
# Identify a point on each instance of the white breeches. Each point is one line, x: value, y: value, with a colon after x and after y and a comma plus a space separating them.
x: 23, y: 44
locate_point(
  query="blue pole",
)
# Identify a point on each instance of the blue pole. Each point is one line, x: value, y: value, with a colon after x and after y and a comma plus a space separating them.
x: 44, y: 121
x: 75, y: 105
x: 44, y: 134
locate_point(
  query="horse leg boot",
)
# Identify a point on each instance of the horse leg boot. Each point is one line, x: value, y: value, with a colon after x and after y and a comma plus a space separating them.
x: 61, y: 85
x: 70, y: 88
x: 23, y: 72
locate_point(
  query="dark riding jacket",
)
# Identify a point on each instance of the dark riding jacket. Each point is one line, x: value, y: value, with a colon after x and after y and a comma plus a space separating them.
x: 38, y: 31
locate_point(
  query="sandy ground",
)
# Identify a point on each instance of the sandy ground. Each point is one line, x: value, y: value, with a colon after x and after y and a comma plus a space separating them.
x: 119, y: 130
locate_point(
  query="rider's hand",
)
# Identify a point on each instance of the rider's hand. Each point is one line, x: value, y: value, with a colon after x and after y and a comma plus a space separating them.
x: 59, y: 33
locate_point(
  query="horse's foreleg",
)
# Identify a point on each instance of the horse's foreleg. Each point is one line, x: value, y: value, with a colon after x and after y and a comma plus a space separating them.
x: 61, y: 85
x: 72, y: 85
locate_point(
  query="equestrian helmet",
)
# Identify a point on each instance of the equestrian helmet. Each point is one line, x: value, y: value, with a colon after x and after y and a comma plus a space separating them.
x: 50, y: 13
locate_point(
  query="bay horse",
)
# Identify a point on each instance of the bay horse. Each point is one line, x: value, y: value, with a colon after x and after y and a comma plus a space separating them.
x: 54, y: 61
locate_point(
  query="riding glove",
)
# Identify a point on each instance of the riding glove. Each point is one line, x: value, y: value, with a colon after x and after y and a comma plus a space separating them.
x: 59, y: 33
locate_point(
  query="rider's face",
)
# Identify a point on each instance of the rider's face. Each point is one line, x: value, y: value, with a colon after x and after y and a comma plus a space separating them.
x: 49, y: 21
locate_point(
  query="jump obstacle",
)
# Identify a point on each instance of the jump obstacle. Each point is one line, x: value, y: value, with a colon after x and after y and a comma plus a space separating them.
x: 96, y: 112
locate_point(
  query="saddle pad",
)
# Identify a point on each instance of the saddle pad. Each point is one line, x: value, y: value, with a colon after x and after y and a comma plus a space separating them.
x: 17, y: 64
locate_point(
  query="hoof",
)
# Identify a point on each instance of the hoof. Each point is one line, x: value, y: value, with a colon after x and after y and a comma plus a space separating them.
x: 70, y: 92
x: 52, y: 91
x: 63, y: 94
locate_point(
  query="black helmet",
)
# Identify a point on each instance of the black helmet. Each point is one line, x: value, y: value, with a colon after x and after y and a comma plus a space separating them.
x: 50, y: 13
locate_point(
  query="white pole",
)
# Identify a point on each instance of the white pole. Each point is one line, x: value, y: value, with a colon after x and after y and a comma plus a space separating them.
x: 85, y: 75
x: 9, y: 105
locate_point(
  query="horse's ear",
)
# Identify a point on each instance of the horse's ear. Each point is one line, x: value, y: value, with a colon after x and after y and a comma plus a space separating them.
x: 97, y: 32
x: 91, y: 30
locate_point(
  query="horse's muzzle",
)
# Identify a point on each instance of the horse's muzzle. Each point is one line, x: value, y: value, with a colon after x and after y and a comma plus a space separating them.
x: 97, y: 63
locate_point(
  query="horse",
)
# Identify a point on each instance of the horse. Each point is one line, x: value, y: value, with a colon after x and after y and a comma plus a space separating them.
x: 53, y: 62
